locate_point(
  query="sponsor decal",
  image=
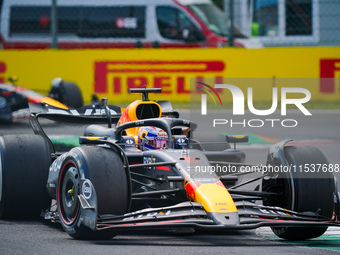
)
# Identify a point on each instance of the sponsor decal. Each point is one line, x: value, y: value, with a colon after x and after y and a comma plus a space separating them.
x: 149, y: 160
x: 181, y: 141
x: 129, y: 141
x: 87, y: 189
x: 56, y: 165
x: 190, y: 188
x: 129, y: 23
x: 139, y: 122
x: 88, y: 112
x: 141, y: 214
x: 168, y: 75
x: 272, y: 210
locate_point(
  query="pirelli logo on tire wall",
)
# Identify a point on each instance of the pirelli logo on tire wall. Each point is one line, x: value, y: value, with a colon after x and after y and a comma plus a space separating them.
x: 116, y: 77
x: 111, y: 72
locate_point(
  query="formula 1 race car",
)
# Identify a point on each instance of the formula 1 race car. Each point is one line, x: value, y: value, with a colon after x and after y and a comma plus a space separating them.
x: 14, y: 99
x: 146, y: 170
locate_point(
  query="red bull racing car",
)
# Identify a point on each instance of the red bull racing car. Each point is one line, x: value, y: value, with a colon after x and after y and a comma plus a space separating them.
x: 146, y: 169
x: 14, y: 99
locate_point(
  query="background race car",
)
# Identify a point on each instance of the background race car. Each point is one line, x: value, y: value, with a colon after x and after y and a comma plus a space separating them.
x: 14, y: 99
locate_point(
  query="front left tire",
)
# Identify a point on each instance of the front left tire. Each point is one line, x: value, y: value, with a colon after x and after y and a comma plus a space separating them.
x: 105, y: 169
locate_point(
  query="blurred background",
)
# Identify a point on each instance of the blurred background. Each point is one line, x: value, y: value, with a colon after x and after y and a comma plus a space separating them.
x: 287, y: 22
x: 107, y: 47
x: 271, y: 22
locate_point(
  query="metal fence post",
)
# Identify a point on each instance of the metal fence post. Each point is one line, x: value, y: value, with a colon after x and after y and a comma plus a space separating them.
x: 231, y: 17
x: 54, y: 25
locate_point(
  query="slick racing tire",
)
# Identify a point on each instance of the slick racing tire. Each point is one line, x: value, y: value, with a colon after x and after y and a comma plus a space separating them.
x: 24, y: 167
x: 104, y: 168
x: 67, y: 93
x: 303, y: 191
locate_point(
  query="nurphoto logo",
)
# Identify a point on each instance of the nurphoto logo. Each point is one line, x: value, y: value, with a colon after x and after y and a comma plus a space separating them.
x: 238, y: 99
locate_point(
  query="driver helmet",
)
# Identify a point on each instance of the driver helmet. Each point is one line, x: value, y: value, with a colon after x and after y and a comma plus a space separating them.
x: 152, y: 138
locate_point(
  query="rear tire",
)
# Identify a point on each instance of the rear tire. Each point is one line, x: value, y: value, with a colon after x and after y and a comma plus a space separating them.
x: 303, y: 191
x: 67, y: 93
x: 105, y: 170
x: 24, y: 166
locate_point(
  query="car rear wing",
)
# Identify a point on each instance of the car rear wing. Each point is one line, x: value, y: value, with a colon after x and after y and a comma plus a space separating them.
x: 94, y: 114
x: 91, y: 114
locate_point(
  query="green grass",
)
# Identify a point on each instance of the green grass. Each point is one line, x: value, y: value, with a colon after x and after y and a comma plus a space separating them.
x: 323, y: 105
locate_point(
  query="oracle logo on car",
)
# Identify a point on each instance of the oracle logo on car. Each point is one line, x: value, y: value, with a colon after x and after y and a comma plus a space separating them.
x: 116, y: 77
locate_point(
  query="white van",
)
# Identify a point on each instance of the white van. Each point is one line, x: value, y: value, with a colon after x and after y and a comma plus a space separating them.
x: 116, y: 24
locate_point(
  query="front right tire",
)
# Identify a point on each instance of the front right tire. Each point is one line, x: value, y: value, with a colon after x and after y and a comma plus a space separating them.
x: 302, y: 190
